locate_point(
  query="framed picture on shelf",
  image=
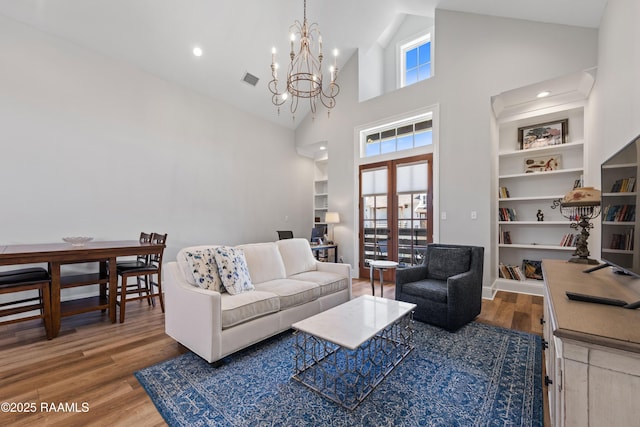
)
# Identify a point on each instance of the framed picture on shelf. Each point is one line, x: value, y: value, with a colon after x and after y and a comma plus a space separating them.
x: 547, y: 163
x: 532, y: 269
x: 543, y: 134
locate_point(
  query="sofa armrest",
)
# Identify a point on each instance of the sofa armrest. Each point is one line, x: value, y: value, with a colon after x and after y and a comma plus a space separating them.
x: 337, y: 268
x: 193, y: 316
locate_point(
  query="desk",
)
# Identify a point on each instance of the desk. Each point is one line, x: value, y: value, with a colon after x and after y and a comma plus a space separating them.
x: 381, y: 266
x: 317, y: 248
x: 57, y: 254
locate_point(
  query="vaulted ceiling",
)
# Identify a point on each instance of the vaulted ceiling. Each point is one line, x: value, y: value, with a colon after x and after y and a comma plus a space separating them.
x: 236, y: 37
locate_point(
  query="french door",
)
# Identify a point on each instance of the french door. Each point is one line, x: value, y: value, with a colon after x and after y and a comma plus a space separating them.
x: 396, y: 214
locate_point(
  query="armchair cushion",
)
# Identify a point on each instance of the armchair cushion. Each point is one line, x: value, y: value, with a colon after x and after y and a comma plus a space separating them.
x: 444, y: 262
x: 433, y: 290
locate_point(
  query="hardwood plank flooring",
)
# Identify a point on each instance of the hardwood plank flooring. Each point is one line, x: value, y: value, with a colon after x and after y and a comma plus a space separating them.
x: 92, y: 361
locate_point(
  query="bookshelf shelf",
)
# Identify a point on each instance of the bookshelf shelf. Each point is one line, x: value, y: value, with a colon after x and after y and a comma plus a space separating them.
x: 541, y: 174
x: 536, y: 223
x: 537, y: 247
x: 520, y: 199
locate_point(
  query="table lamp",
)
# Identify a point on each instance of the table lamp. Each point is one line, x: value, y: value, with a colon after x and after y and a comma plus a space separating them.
x: 331, y: 218
x: 581, y: 205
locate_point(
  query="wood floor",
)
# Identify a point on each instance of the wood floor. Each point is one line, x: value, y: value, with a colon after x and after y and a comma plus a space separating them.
x: 85, y: 375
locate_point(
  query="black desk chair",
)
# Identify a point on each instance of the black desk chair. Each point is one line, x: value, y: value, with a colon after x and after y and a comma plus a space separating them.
x: 23, y: 280
x: 285, y: 235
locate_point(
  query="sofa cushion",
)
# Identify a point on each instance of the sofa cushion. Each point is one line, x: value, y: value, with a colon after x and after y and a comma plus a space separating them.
x: 183, y: 263
x: 296, y: 255
x: 233, y: 270
x: 264, y: 261
x: 430, y: 289
x: 291, y: 292
x: 445, y: 262
x: 329, y: 282
x: 243, y: 307
x: 204, y: 269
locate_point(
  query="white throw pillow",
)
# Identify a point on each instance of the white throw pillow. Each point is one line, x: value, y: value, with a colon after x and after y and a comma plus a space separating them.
x: 202, y: 264
x: 233, y: 270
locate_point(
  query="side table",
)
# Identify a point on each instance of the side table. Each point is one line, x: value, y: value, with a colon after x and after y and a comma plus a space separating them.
x: 380, y: 266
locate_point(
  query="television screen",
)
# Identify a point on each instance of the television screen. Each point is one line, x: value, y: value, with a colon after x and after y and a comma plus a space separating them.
x: 619, y: 230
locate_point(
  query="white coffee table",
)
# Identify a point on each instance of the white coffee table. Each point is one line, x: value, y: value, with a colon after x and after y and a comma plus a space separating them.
x: 343, y: 353
x: 380, y: 265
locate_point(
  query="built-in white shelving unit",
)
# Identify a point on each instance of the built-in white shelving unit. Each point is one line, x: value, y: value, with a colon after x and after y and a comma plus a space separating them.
x: 320, y: 191
x: 529, y: 224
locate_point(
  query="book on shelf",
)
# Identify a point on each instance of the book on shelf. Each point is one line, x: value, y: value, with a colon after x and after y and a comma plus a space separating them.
x: 512, y: 272
x: 504, y: 193
x: 504, y: 237
x: 622, y: 241
x: 619, y: 213
x: 507, y: 214
x: 569, y: 240
x: 625, y: 185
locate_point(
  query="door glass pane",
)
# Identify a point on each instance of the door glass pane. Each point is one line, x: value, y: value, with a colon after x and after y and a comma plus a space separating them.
x: 412, y: 227
x: 375, y: 228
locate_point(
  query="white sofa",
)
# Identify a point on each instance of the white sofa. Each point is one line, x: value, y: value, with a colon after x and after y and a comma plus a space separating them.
x: 290, y: 285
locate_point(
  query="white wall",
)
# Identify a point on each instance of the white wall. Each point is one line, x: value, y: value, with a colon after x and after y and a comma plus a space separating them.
x: 476, y: 57
x: 616, y: 93
x: 93, y: 146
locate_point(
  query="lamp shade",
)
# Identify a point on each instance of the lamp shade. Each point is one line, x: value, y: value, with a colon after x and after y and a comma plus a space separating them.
x: 332, y: 217
x: 582, y: 196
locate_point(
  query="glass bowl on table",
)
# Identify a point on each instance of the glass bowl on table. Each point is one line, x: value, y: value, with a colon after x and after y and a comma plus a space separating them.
x: 77, y: 241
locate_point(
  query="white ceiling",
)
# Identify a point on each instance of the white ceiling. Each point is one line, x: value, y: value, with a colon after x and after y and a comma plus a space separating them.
x: 236, y: 37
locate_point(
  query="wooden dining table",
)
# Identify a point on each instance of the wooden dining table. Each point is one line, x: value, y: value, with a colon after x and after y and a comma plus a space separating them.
x: 58, y: 254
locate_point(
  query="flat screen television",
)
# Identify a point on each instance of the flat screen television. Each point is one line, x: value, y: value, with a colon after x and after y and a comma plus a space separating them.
x: 620, y: 242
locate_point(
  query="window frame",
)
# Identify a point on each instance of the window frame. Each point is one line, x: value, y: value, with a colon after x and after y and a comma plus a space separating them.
x: 411, y: 43
x: 393, y: 126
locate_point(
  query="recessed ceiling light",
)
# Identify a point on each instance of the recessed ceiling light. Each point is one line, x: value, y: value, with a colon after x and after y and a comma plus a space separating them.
x: 543, y: 94
x: 322, y: 147
x: 197, y: 51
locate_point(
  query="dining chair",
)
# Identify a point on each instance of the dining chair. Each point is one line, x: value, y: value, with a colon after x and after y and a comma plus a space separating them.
x: 144, y: 268
x: 142, y: 282
x: 21, y: 281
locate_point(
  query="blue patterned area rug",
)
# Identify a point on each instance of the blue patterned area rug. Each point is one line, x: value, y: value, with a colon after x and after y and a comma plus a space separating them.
x: 478, y: 376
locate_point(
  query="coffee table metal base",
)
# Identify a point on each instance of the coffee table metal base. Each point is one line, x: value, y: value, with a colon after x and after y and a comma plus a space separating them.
x: 348, y: 376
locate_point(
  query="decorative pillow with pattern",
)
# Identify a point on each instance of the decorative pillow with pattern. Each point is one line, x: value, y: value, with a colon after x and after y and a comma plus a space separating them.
x: 233, y: 270
x: 205, y: 269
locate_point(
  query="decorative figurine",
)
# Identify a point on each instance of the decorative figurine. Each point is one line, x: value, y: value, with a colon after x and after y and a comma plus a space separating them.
x: 540, y: 215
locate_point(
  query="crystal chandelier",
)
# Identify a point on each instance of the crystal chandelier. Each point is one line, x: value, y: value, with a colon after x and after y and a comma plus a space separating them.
x: 304, y: 78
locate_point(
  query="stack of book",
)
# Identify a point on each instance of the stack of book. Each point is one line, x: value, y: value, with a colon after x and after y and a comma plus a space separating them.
x: 507, y: 214
x: 503, y: 193
x: 617, y: 213
x: 626, y: 185
x: 512, y: 272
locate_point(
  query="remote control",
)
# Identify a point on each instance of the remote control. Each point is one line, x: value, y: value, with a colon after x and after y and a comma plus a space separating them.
x: 598, y: 300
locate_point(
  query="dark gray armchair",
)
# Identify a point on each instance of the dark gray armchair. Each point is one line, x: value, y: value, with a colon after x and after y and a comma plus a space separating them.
x: 446, y: 287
